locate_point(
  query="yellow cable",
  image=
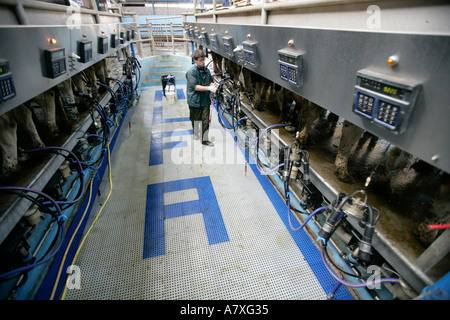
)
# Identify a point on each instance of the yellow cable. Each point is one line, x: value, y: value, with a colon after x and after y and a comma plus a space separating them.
x: 70, y: 242
x: 93, y: 223
x: 76, y: 230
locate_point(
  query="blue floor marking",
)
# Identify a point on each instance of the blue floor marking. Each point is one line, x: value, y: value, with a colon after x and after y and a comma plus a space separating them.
x: 156, y: 213
x: 180, y: 94
x: 175, y: 144
x: 158, y: 117
x: 302, y: 240
x: 159, y: 95
x: 157, y: 145
x: 310, y: 252
x: 178, y: 133
x: 156, y: 149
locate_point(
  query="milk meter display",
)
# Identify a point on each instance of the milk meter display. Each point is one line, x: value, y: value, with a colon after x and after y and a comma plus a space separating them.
x: 385, y: 100
x: 291, y: 65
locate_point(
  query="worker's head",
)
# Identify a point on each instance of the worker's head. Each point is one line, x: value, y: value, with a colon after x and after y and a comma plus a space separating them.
x: 199, y: 58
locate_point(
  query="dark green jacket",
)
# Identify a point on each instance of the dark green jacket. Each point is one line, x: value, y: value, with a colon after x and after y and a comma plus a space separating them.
x: 195, y: 77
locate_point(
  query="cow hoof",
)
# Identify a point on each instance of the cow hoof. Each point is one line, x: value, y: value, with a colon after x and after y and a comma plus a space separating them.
x: 402, y: 181
x: 345, y: 177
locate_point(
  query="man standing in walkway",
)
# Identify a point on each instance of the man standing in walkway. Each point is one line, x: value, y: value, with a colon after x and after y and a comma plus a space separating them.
x: 199, y: 86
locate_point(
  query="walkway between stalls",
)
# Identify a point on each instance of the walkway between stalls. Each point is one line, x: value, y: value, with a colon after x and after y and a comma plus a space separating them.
x: 184, y: 221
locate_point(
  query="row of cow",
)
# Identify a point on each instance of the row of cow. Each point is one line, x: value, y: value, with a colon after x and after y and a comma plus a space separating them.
x: 49, y: 116
x: 407, y: 182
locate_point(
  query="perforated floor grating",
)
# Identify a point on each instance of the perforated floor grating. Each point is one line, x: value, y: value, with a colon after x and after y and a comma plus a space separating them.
x: 189, y: 224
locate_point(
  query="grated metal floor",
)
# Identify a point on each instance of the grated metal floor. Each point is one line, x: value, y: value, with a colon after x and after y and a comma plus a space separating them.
x: 185, y: 222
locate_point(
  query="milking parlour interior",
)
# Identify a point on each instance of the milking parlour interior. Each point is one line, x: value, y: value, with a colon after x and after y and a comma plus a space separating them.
x: 323, y: 173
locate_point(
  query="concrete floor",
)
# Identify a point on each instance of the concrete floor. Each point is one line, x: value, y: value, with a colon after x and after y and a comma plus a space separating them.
x: 185, y: 221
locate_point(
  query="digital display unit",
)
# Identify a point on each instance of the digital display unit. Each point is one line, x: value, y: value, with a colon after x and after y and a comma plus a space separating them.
x: 384, y: 100
x: 204, y: 38
x: 4, y: 66
x: 250, y: 52
x: 382, y: 88
x: 7, y: 90
x: 189, y: 33
x: 85, y: 50
x: 290, y: 63
x: 102, y: 44
x: 197, y: 35
x: 55, y: 60
x: 214, y: 41
x: 228, y: 45
x: 114, y: 41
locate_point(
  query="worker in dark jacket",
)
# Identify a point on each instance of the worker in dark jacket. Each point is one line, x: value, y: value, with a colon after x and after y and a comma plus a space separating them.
x: 199, y: 86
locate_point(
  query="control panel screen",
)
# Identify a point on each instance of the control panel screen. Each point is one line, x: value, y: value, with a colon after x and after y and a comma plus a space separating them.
x: 114, y: 41
x: 204, y: 38
x: 291, y: 65
x: 389, y: 90
x: 228, y: 45
x: 384, y: 100
x: 227, y: 49
x: 214, y: 41
x: 59, y: 54
x: 85, y: 50
x: 102, y: 45
x: 55, y: 61
x: 3, y: 67
x: 7, y: 90
x: 286, y: 58
x: 189, y: 33
x: 250, y: 52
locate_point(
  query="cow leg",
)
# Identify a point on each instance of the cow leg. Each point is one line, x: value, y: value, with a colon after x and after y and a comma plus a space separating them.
x: 246, y: 79
x: 64, y: 124
x: 45, y: 115
x: 439, y: 213
x: 217, y: 62
x: 100, y: 71
x: 309, y: 113
x: 81, y: 92
x: 92, y: 81
x: 24, y: 119
x: 282, y: 96
x: 8, y: 144
x: 67, y: 99
x: 350, y: 134
x: 397, y: 161
x: 262, y: 89
x: 79, y: 86
x: 331, y: 122
x: 66, y: 92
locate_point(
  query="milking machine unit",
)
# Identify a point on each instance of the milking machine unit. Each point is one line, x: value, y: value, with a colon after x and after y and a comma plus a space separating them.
x: 360, y: 243
x: 86, y: 81
x: 355, y: 246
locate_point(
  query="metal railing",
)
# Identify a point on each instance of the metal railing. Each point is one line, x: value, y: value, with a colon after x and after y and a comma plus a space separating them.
x: 166, y: 36
x: 160, y: 35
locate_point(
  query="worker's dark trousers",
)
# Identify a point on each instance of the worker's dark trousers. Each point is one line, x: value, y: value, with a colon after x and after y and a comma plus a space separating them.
x: 200, y: 120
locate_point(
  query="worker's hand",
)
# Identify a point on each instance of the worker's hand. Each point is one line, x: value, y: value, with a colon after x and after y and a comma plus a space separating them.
x: 212, y: 88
